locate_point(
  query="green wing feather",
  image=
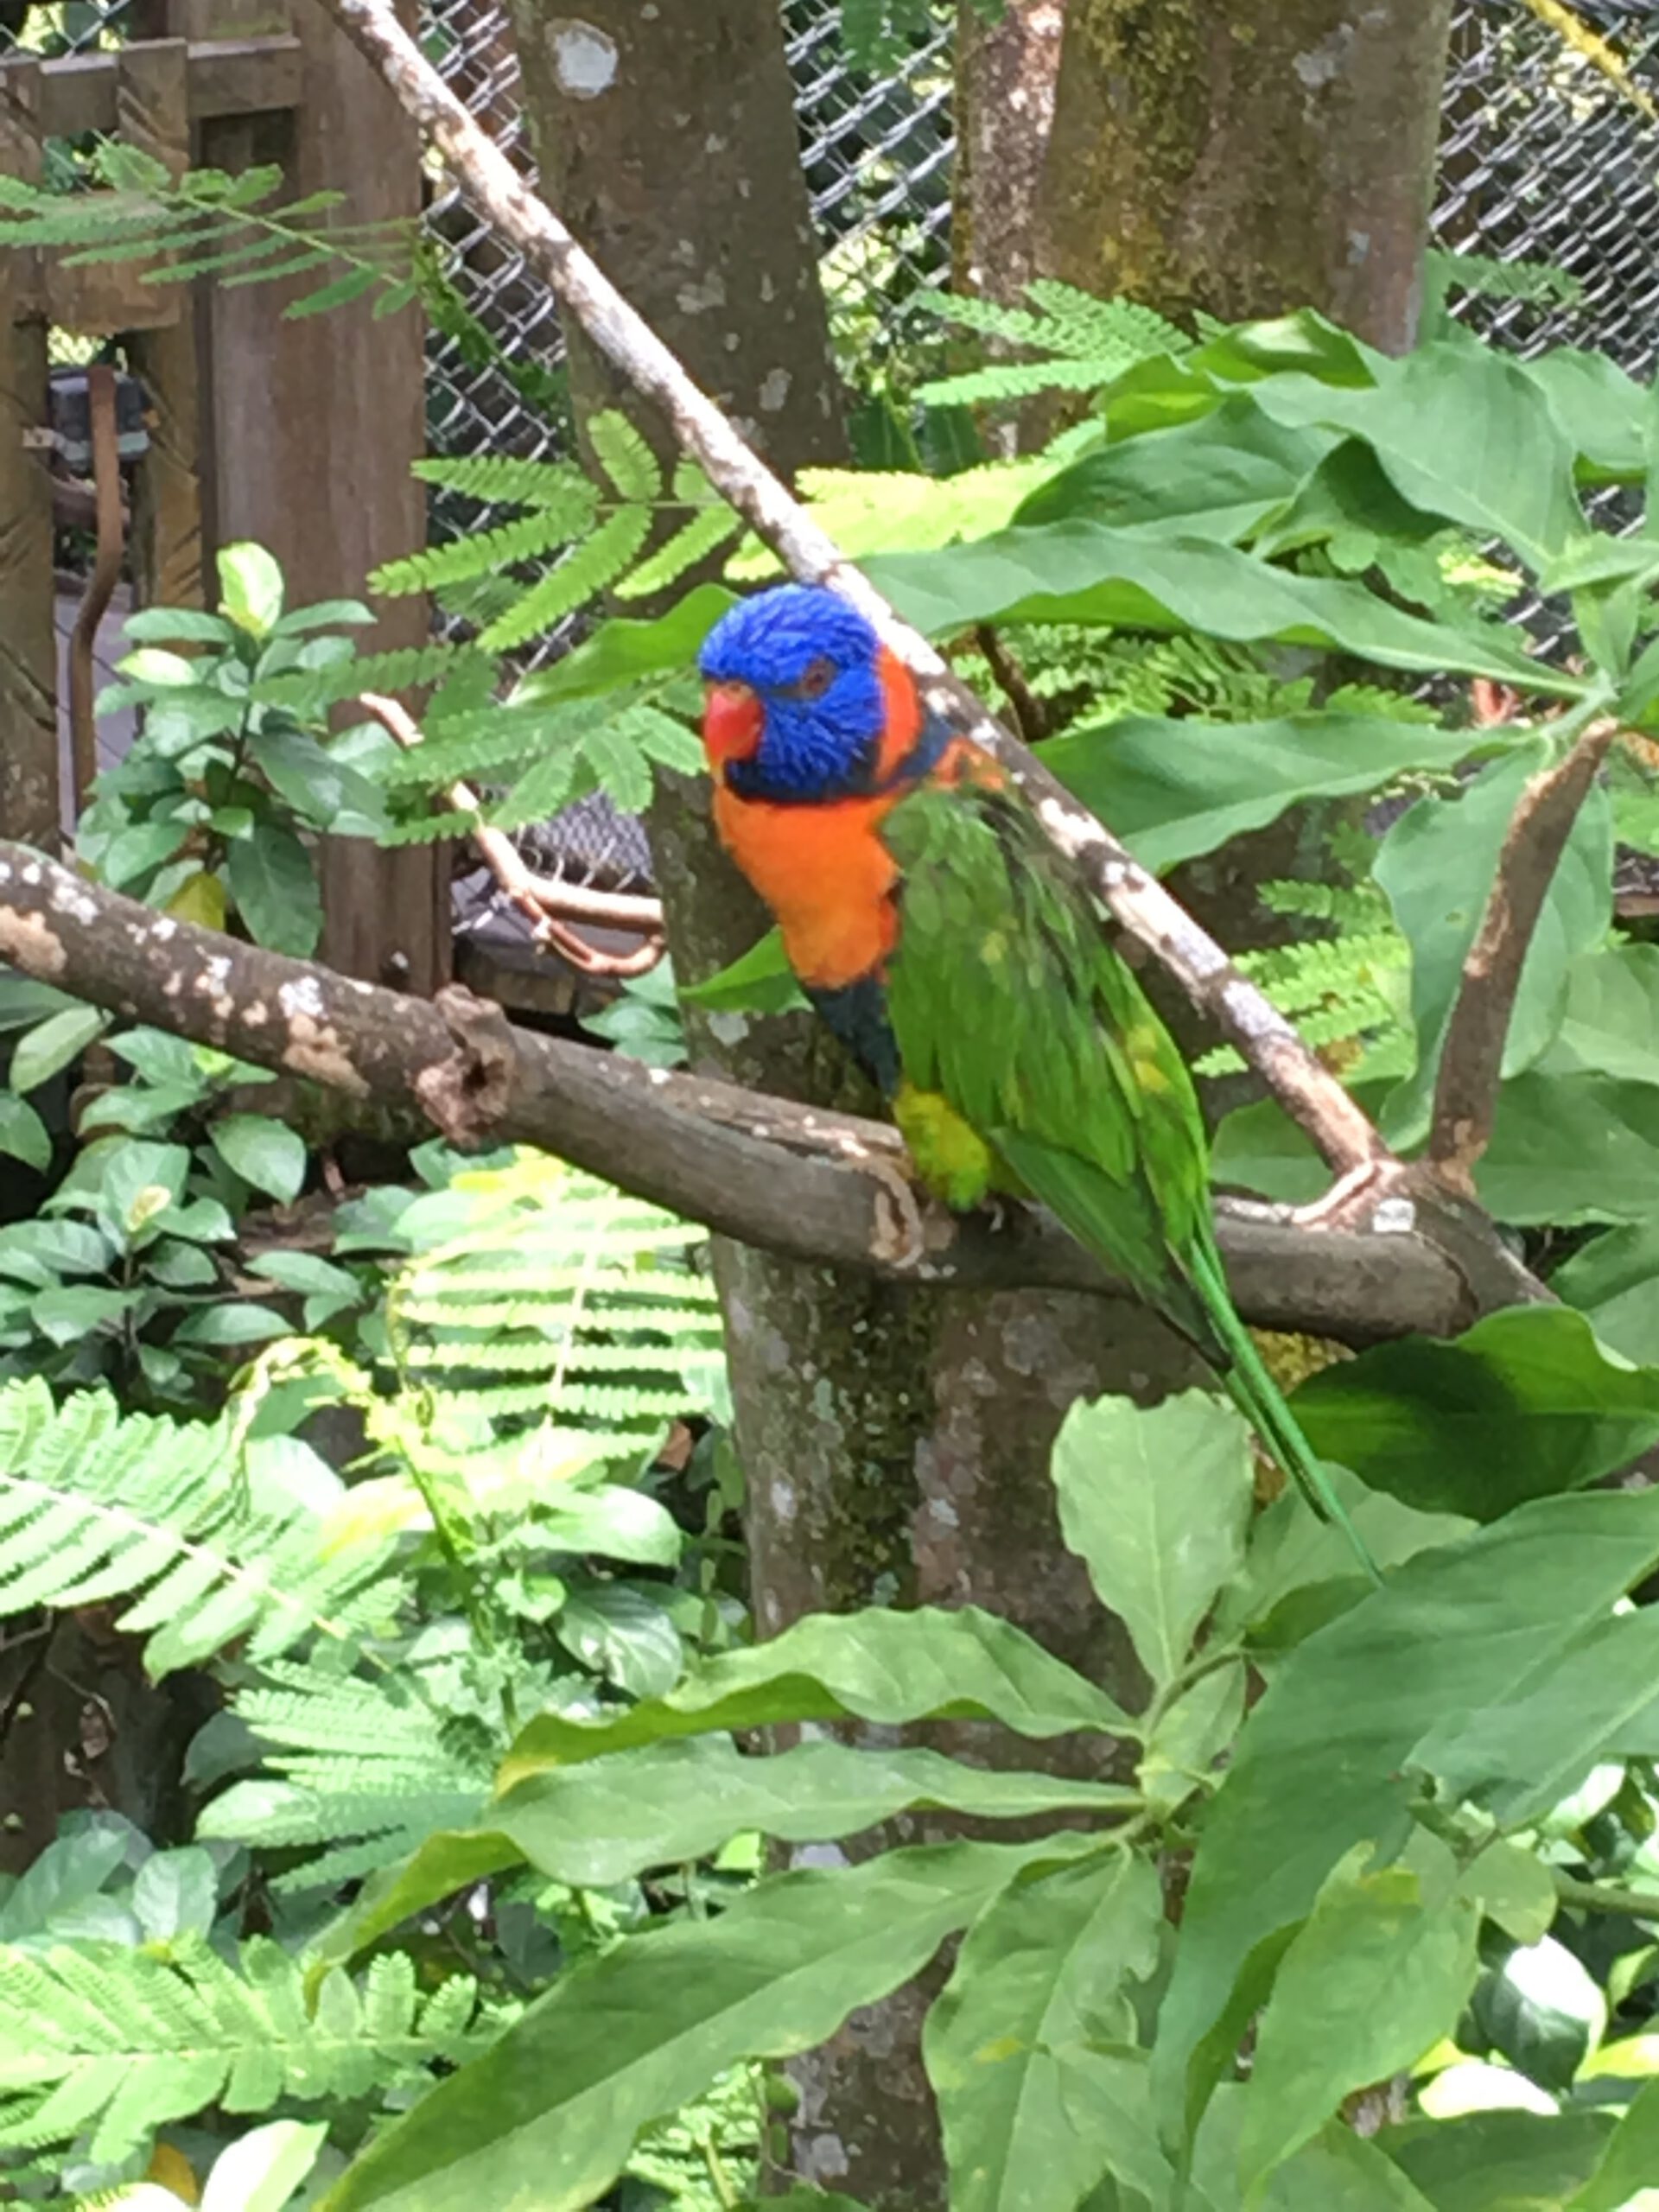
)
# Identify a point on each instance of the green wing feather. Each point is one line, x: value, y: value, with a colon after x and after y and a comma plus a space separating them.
x: 1007, y: 1000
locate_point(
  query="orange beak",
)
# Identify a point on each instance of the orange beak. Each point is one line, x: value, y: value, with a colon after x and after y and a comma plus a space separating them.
x: 733, y: 721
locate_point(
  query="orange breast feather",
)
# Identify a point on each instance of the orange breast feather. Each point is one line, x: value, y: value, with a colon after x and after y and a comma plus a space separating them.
x: 825, y: 874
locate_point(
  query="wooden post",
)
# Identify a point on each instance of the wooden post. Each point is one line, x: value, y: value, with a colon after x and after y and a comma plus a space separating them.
x: 310, y: 427
x: 29, y: 683
x: 153, y: 114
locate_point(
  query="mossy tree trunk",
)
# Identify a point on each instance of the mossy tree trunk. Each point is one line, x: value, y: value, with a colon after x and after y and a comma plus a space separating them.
x: 1249, y: 158
x: 895, y: 1444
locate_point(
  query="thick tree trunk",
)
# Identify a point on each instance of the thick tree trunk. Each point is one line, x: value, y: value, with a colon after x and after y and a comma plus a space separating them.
x: 1248, y: 159
x: 895, y: 1445
x: 1006, y: 76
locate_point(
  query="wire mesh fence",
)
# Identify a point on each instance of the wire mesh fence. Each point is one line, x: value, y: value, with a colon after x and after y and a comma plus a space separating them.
x: 1544, y: 160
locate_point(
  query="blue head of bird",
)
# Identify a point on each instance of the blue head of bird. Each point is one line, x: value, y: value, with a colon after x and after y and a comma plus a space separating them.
x: 795, y: 701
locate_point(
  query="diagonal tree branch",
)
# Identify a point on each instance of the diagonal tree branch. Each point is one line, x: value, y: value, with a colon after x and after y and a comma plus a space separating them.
x: 811, y: 1186
x: 1471, y: 1059
x: 1306, y: 1089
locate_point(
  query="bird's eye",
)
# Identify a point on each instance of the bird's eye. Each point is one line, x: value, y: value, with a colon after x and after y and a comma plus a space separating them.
x: 817, y: 680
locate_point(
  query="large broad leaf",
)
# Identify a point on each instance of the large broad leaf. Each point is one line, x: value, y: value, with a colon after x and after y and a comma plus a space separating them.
x: 622, y: 652
x: 1609, y: 1016
x: 1614, y: 1282
x: 1221, y: 473
x: 1083, y: 572
x: 1526, y: 1404
x: 1519, y: 1754
x: 1155, y: 1502
x: 1452, y: 1629
x: 604, y: 1820
x: 547, y: 2117
x: 1012, y: 2044
x: 1564, y: 1149
x: 1378, y: 1974
x: 891, y: 1668
x: 1630, y: 2163
x: 1500, y: 2161
x: 1172, y: 789
x: 1602, y: 410
x: 1462, y: 432
x: 1437, y: 866
x: 1573, y: 1148
x: 1338, y: 2171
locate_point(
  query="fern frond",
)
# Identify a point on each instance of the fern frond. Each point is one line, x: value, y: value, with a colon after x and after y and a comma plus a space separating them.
x: 626, y: 458
x: 529, y: 538
x: 592, y: 568
x: 486, y: 744
x: 360, y: 1770
x: 701, y: 536
x: 311, y: 691
x: 96, y: 1506
x: 98, y: 2037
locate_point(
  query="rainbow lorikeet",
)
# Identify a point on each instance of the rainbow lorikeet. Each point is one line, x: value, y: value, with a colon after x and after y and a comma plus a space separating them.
x: 948, y: 945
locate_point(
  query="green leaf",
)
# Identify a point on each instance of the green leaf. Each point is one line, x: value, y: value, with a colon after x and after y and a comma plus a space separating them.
x: 548, y: 2115
x: 1013, y: 2044
x: 624, y: 1633
x: 262, y: 1152
x: 607, y: 1820
x: 155, y: 624
x: 1614, y: 1282
x: 325, y: 792
x: 234, y: 1323
x: 66, y: 1314
x: 23, y: 1135
x: 1629, y: 2162
x: 1337, y: 2172
x: 138, y: 849
x: 1571, y: 1149
x: 1519, y: 1754
x: 889, y: 1667
x: 1173, y: 789
x: 1541, y: 2010
x: 1462, y: 432
x: 759, y: 981
x: 1526, y: 1404
x: 1500, y: 2161
x: 1610, y: 1019
x: 621, y: 653
x: 1189, y: 1736
x: 1222, y: 473
x: 1155, y: 1502
x: 151, y: 666
x: 261, y: 2172
x: 276, y: 891
x: 176, y: 1893
x: 303, y: 1271
x: 614, y: 1522
x: 1350, y: 1704
x: 350, y: 613
x: 42, y: 1051
x: 1082, y: 572
x: 250, y: 589
x: 1437, y: 866
x: 1377, y: 1974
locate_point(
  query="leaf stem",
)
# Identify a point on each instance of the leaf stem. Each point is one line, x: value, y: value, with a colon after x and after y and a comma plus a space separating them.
x: 1593, y: 1896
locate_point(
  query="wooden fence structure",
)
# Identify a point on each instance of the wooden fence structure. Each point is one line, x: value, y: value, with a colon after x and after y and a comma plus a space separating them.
x: 298, y: 434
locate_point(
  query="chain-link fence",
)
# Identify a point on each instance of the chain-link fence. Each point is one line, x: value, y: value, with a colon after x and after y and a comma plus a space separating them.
x: 1544, y: 160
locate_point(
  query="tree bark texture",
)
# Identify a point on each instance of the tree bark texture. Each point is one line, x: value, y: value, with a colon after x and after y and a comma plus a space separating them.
x: 1248, y: 159
x: 894, y: 1446
x: 1006, y: 74
x: 666, y: 139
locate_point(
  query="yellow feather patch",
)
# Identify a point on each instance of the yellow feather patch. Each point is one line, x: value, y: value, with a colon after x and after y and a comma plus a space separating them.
x: 953, y: 1160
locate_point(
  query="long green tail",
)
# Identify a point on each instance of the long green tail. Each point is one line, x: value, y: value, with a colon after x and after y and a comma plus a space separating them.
x: 1259, y: 1398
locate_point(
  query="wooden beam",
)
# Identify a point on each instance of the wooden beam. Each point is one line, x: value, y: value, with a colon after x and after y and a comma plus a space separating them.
x: 28, y: 649
x: 153, y: 110
x: 227, y: 77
